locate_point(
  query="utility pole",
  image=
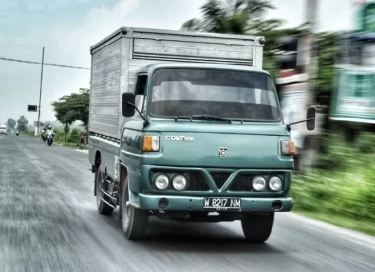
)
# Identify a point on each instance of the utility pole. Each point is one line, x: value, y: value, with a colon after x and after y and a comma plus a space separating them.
x: 310, y: 138
x: 40, y: 93
x: 311, y: 10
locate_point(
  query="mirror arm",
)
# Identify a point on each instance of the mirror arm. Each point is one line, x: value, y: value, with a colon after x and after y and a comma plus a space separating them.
x: 146, y: 122
x: 288, y: 125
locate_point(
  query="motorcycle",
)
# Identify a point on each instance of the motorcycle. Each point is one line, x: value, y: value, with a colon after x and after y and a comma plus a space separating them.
x: 17, y: 133
x: 49, y: 139
x: 43, y: 136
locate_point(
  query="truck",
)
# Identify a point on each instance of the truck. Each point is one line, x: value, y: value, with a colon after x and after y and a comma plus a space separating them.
x: 187, y: 126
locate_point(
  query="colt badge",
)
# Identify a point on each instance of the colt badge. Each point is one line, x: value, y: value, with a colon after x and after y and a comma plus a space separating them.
x: 223, y: 152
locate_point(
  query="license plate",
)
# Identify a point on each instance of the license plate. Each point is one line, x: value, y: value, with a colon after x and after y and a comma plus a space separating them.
x: 222, y: 203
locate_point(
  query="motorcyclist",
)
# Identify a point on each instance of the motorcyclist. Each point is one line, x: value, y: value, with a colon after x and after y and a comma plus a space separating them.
x: 49, y: 131
x: 44, y: 134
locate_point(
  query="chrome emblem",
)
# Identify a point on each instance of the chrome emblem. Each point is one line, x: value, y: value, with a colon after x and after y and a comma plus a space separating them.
x: 179, y: 138
x: 223, y: 152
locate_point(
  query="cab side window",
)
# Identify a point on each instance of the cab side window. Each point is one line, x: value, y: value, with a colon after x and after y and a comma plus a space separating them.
x: 140, y: 90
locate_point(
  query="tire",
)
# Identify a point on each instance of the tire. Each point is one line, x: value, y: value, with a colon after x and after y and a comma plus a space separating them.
x: 103, y: 208
x: 257, y: 228
x: 134, y: 221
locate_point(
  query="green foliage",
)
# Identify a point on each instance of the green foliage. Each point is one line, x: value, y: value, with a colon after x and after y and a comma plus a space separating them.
x: 343, y: 181
x: 22, y: 123
x: 74, y: 107
x: 228, y: 16
x: 29, y: 133
x: 327, y: 50
x: 74, y: 136
x: 11, y: 123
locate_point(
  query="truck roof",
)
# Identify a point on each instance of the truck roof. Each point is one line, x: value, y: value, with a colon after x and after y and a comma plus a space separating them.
x: 153, y: 66
x: 128, y: 31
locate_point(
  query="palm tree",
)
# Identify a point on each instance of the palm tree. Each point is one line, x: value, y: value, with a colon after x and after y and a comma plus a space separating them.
x: 231, y: 16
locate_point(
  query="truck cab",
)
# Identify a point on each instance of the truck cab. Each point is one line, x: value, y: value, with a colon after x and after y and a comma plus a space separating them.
x: 199, y: 142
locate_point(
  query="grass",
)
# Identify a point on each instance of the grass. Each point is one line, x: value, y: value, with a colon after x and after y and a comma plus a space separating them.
x: 340, y: 188
x: 365, y: 226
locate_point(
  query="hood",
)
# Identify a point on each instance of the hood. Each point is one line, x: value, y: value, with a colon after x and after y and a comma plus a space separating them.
x: 220, y: 145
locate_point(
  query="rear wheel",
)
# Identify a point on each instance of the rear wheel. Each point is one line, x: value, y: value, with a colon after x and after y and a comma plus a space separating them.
x: 257, y: 228
x: 134, y: 220
x: 103, y: 207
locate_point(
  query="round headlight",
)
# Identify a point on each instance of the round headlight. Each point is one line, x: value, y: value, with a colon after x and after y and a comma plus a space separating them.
x: 259, y: 183
x: 162, y: 182
x: 179, y: 182
x: 275, y: 184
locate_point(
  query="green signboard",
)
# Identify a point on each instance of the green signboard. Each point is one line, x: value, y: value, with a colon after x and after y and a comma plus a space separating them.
x: 368, y: 18
x: 365, y: 17
x: 353, y: 98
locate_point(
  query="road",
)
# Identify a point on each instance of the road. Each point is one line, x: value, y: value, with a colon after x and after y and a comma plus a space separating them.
x: 49, y: 222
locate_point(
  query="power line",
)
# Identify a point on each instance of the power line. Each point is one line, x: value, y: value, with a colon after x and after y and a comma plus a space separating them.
x: 49, y: 64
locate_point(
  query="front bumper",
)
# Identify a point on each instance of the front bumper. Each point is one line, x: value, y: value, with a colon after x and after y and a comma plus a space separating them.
x: 184, y: 203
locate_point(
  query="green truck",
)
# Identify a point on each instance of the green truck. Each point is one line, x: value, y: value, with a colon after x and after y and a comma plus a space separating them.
x: 187, y: 126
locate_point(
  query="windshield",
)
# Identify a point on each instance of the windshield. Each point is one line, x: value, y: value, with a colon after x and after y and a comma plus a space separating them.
x: 220, y: 93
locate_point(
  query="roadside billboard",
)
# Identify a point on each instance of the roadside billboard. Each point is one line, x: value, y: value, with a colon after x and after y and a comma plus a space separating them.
x: 353, y: 97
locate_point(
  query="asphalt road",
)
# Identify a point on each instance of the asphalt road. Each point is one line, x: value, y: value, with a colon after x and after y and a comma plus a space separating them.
x: 49, y: 222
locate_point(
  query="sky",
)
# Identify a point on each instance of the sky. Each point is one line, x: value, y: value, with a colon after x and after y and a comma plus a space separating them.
x: 67, y: 29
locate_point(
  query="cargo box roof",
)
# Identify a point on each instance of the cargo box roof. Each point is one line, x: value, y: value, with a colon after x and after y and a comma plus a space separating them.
x: 154, y: 66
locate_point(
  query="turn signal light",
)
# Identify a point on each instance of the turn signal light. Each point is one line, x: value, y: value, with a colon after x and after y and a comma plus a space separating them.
x: 151, y: 143
x: 288, y: 148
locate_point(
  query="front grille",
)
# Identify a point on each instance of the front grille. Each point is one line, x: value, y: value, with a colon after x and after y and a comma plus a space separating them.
x: 220, y: 178
x: 196, y: 182
x: 243, y: 182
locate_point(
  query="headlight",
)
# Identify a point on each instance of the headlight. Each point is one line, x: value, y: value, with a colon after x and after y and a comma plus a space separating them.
x: 151, y: 143
x: 179, y: 182
x: 275, y: 184
x: 259, y: 183
x: 162, y: 182
x: 288, y: 148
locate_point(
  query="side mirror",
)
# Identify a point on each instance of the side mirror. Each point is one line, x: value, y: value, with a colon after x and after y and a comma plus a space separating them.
x: 310, y: 118
x: 128, y: 104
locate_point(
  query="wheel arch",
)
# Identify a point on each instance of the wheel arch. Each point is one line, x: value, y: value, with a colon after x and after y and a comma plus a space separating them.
x: 123, y: 176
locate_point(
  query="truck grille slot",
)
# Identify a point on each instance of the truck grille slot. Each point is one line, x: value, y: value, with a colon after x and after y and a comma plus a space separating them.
x: 197, y: 182
x: 220, y: 178
x: 242, y: 182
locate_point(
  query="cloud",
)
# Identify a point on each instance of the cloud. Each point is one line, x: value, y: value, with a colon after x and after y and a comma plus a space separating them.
x: 71, y: 46
x: 74, y: 43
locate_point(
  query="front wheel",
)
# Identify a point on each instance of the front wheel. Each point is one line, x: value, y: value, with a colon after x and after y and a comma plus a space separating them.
x: 134, y: 220
x: 257, y: 228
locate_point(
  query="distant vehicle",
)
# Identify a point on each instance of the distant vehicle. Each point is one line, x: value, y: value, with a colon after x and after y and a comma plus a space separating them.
x: 3, y: 130
x: 49, y: 137
x: 17, y: 132
x: 43, y: 135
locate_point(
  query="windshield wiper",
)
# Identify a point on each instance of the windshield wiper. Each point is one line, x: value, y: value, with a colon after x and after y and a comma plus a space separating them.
x: 203, y: 117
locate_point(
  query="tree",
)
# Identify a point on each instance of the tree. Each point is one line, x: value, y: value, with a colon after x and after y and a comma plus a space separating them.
x: 230, y: 16
x: 74, y: 107
x: 245, y: 17
x: 22, y: 123
x: 11, y: 123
